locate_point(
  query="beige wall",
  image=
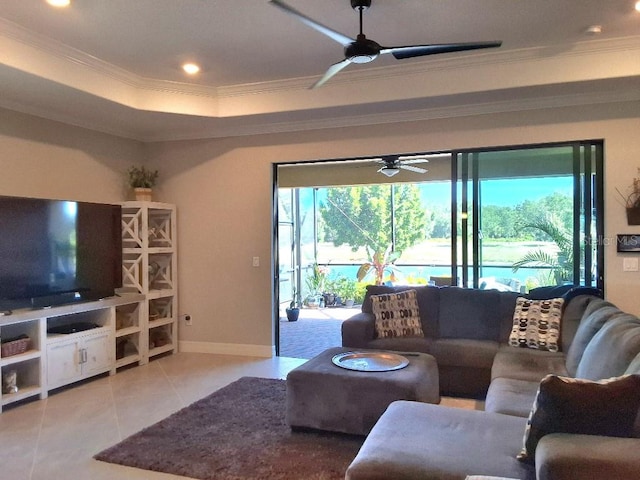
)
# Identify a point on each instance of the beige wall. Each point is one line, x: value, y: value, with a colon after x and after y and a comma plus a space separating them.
x: 223, y: 191
x: 41, y: 158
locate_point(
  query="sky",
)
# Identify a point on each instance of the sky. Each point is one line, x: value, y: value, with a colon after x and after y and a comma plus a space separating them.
x: 506, y: 192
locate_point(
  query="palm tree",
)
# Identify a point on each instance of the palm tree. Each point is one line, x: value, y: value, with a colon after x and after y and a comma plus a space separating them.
x: 560, y: 263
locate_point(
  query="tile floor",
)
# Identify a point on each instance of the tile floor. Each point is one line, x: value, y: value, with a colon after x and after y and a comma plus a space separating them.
x: 56, y: 438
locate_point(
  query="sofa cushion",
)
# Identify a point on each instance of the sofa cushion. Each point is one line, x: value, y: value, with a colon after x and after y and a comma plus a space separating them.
x: 527, y: 364
x: 574, y: 310
x: 536, y: 324
x: 612, y: 349
x: 634, y: 366
x: 397, y: 315
x: 462, y: 352
x: 595, y: 316
x: 564, y: 456
x: 567, y: 292
x: 414, y: 440
x: 511, y: 397
x: 428, y: 304
x: 469, y: 313
x: 549, y: 291
x: 568, y: 405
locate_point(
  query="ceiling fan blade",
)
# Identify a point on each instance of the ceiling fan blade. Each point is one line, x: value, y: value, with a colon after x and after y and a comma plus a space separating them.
x: 412, y: 168
x: 343, y: 40
x: 422, y: 50
x: 333, y: 69
x: 413, y: 160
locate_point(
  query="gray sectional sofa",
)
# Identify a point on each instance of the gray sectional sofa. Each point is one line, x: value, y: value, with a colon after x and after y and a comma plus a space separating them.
x: 467, y: 331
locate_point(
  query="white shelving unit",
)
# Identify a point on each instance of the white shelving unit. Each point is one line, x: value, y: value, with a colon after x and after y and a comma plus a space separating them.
x: 150, y: 268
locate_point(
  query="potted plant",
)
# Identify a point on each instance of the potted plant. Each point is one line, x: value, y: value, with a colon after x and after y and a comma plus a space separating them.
x: 349, y: 293
x: 315, y: 283
x: 346, y: 291
x: 293, y: 312
x: 632, y: 201
x: 142, y: 181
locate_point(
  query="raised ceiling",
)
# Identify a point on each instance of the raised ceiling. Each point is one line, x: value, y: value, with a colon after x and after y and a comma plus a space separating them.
x: 114, y: 65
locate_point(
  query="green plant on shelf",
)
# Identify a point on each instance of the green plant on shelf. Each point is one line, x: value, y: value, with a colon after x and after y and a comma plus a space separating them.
x: 140, y: 177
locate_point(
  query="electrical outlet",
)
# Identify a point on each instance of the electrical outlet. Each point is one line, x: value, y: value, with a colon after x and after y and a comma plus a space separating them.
x: 630, y: 265
x: 188, y: 319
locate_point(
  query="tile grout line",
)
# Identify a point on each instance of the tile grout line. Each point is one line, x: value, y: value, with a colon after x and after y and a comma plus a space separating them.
x: 37, y: 446
x: 115, y: 407
x: 176, y: 392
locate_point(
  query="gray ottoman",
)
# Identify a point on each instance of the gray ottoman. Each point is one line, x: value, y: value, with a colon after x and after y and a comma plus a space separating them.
x: 323, y: 396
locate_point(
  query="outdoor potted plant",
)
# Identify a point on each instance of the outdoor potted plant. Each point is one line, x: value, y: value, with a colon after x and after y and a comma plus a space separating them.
x: 349, y: 292
x: 293, y: 312
x: 142, y: 181
x: 315, y: 283
x: 346, y: 291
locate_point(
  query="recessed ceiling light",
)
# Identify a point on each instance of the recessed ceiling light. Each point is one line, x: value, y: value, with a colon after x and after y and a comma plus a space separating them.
x: 638, y: 6
x: 191, y: 68
x: 59, y: 3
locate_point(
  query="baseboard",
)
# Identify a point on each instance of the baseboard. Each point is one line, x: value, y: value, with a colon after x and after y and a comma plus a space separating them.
x: 228, y: 349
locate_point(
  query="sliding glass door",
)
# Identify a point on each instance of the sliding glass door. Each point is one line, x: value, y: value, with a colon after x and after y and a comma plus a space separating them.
x: 528, y: 217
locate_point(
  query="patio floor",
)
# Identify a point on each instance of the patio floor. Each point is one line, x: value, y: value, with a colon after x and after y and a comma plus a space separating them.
x: 316, y: 330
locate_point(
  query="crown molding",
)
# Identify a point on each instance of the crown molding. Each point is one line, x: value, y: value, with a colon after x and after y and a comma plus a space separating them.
x: 506, y: 106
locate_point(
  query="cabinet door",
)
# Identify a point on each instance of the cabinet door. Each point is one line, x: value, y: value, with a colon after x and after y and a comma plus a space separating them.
x: 63, y: 363
x: 98, y: 354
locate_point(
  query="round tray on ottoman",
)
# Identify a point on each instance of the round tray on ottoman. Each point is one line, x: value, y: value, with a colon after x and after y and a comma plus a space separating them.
x: 322, y: 395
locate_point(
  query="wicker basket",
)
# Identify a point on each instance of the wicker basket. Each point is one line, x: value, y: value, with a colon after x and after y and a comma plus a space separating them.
x: 15, y: 347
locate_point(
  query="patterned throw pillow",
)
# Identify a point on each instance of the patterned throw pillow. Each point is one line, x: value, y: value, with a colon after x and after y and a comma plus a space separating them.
x: 570, y: 405
x: 396, y: 315
x: 536, y: 324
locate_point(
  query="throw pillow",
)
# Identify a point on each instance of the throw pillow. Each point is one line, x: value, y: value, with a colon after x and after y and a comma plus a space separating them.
x: 569, y: 405
x: 536, y: 324
x: 396, y: 315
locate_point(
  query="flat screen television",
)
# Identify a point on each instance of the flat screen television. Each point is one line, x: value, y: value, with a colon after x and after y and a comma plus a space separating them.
x: 54, y: 252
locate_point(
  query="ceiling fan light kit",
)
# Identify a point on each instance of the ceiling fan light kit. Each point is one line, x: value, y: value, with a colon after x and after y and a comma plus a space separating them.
x: 391, y: 165
x: 363, y: 50
x: 389, y: 171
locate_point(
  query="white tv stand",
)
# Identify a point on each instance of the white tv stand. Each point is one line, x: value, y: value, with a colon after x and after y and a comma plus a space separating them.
x: 55, y: 360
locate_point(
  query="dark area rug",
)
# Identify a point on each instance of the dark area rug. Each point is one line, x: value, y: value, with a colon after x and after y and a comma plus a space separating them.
x: 238, y: 432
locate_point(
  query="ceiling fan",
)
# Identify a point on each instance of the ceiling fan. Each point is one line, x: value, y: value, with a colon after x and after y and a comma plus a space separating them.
x: 392, y: 165
x: 363, y: 50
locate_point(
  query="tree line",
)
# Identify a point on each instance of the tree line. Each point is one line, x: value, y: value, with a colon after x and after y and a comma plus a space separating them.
x: 362, y: 216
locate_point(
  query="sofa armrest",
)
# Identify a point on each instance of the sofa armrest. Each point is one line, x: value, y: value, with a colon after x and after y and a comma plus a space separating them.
x: 563, y: 456
x: 358, y: 330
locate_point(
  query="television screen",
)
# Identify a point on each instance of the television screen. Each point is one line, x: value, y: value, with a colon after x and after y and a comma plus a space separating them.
x: 54, y: 252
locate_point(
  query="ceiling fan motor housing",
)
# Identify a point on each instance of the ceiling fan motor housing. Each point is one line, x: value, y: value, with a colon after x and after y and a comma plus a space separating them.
x: 362, y: 50
x: 360, y: 4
